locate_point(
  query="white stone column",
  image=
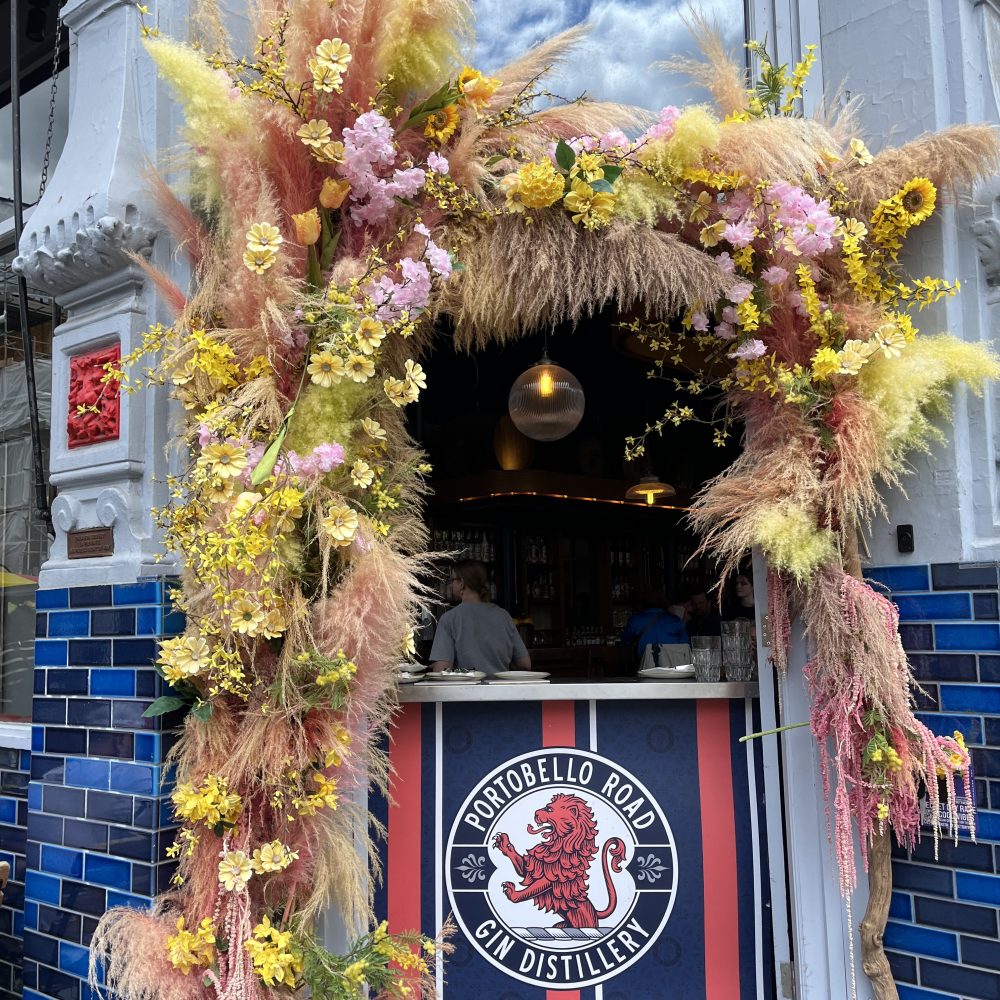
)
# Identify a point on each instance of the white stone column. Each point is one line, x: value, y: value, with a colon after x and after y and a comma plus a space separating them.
x: 95, y: 213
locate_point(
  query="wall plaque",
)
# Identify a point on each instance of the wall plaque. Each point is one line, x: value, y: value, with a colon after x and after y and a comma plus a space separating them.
x: 90, y: 543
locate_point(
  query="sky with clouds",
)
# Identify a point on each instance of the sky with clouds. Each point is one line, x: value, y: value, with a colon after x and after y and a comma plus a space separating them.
x: 613, y: 63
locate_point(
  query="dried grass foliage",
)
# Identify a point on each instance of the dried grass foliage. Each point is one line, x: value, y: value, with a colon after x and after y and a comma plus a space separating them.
x: 785, y: 149
x: 958, y: 156
x: 521, y: 278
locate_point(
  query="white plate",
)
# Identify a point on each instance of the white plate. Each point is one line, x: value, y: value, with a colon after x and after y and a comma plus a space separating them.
x: 407, y: 678
x: 667, y: 673
x: 458, y: 677
x: 521, y: 675
x: 410, y: 668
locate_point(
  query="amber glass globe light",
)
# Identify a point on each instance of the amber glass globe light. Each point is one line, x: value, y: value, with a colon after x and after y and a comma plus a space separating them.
x: 546, y: 402
x: 650, y: 489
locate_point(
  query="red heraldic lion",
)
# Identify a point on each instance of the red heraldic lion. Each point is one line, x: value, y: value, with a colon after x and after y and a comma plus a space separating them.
x: 554, y: 873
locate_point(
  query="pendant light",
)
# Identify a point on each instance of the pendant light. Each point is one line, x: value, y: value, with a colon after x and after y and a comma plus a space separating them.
x: 650, y: 489
x: 546, y: 402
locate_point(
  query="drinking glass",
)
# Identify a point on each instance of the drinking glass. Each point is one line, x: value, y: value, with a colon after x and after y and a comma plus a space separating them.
x: 737, y: 650
x: 706, y: 653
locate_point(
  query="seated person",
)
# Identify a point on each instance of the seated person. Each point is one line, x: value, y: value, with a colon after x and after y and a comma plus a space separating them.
x: 704, y: 618
x: 475, y: 634
x: 655, y: 624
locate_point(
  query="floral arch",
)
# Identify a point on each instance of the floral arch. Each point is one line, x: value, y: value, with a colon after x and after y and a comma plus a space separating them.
x: 353, y: 181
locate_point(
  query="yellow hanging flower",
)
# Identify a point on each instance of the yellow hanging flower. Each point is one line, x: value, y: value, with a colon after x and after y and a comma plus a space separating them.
x: 325, y: 369
x: 918, y: 198
x: 273, y: 857
x: 334, y: 191
x: 373, y: 429
x: 224, y: 460
x: 307, y: 227
x: 245, y: 616
x: 854, y: 355
x: 259, y: 261
x: 535, y: 185
x: 334, y: 53
x: 476, y: 89
x: 415, y: 375
x: 859, y: 153
x: 442, y: 125
x: 359, y: 368
x: 591, y: 208
x: 362, y: 474
x: 702, y: 206
x: 370, y: 334
x: 825, y: 363
x: 187, y: 950
x: 263, y: 236
x: 340, y: 525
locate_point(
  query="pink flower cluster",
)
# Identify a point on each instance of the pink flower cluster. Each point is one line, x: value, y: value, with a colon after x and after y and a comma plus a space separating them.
x: 413, y: 292
x: 664, y: 127
x: 369, y: 155
x: 807, y: 221
x: 322, y: 459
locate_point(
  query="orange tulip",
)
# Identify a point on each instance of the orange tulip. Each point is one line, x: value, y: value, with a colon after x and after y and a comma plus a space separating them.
x: 334, y: 192
x: 307, y: 227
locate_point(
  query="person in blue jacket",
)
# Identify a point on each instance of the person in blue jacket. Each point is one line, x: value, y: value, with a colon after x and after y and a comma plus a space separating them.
x: 654, y: 624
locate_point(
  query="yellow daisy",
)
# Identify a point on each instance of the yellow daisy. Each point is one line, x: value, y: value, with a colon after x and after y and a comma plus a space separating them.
x: 326, y: 369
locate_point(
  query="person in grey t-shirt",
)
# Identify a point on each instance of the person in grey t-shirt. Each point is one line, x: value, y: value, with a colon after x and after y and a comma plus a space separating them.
x: 475, y: 634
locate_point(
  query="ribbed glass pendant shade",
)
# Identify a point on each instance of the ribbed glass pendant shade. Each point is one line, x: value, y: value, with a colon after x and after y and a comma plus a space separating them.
x: 546, y: 402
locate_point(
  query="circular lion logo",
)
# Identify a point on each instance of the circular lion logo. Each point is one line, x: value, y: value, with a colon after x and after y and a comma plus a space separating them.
x: 561, y: 868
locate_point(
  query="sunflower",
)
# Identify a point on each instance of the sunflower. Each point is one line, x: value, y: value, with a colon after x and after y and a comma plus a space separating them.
x: 918, y: 198
x: 441, y: 125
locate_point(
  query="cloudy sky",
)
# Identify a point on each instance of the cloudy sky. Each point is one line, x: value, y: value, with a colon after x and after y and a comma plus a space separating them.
x: 612, y: 64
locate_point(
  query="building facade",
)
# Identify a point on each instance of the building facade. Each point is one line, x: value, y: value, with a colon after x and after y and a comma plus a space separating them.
x: 84, y: 815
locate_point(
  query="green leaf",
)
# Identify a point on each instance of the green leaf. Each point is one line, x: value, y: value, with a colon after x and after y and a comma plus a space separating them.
x: 602, y: 186
x: 202, y: 711
x: 565, y: 156
x: 265, y: 466
x: 329, y: 249
x: 612, y: 173
x: 313, y: 274
x: 162, y: 705
x: 494, y: 160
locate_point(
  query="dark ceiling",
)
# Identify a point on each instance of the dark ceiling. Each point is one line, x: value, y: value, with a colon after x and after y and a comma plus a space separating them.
x: 37, y: 23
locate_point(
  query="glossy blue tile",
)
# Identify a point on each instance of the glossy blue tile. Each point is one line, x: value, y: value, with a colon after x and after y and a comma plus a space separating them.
x: 981, y: 637
x: 127, y: 899
x: 83, y: 898
x: 148, y: 621
x: 143, y: 592
x: 45, y: 829
x: 88, y: 712
x: 912, y: 993
x: 65, y: 741
x: 971, y: 698
x: 989, y: 669
x: 986, y: 954
x: 901, y: 906
x: 135, y: 652
x: 113, y: 621
x: 40, y: 948
x: 112, y: 807
x: 139, y: 845
x: 90, y: 652
x: 74, y: 959
x: 41, y: 625
x: 58, y: 985
x: 112, y: 682
x: 61, y: 800
x: 42, y: 888
x: 917, y: 637
x: 988, y: 825
x: 8, y: 810
x: 921, y: 941
x: 129, y: 715
x: 964, y: 576
x: 69, y: 623
x: 944, y: 666
x: 970, y: 726
x: 174, y: 622
x: 898, y: 578
x: 955, y: 916
x: 52, y: 599
x: 35, y: 795
x: 48, y: 710
x: 985, y: 606
x: 46, y: 768
x: 85, y: 835
x: 90, y: 597
x: 904, y: 967
x: 37, y: 739
x: 66, y: 681
x: 147, y: 747
x: 933, y: 607
x: 139, y: 779
x: 978, y: 888
x: 60, y: 861
x: 103, y: 743
x: 111, y: 872
x: 961, y: 979
x: 51, y: 653
x: 148, y: 684
x: 86, y: 773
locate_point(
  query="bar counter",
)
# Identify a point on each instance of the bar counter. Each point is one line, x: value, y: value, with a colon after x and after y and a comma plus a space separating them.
x: 592, y: 840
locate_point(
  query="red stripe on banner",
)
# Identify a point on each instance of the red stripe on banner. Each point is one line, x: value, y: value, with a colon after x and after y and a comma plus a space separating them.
x: 404, y: 822
x: 559, y: 730
x: 718, y: 843
x: 558, y: 724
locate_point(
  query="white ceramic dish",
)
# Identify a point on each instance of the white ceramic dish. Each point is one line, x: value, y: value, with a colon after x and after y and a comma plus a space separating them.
x: 524, y: 676
x: 667, y: 673
x: 456, y: 676
x: 410, y: 668
x: 407, y: 678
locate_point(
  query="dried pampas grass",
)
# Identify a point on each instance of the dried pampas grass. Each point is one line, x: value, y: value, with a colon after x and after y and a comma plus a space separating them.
x: 785, y: 149
x: 520, y: 278
x: 958, y: 156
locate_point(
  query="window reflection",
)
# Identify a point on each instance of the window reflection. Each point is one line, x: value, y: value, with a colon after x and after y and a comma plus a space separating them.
x: 613, y: 62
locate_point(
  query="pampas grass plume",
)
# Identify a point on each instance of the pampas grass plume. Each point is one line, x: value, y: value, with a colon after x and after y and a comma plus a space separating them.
x: 792, y: 541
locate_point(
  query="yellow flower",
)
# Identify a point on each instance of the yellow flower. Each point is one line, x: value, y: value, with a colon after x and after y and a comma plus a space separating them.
x: 331, y: 152
x: 245, y: 616
x: 362, y: 474
x: 340, y: 525
x: 825, y: 363
x: 409, y: 645
x: 187, y: 950
x: 327, y: 78
x: 334, y: 192
x: 355, y: 973
x: 234, y: 870
x: 274, y: 624
x: 854, y: 355
x: 360, y: 368
x: 476, y: 88
x: 326, y: 369
x: 263, y: 236
x: 711, y: 235
x: 891, y: 339
x: 415, y: 375
x: 883, y: 811
x: 259, y: 260
x: 307, y: 227
x: 853, y: 227
x: 535, y: 185
x: 225, y: 460
x: 373, y: 429
x: 591, y: 208
x: 370, y: 334
x: 273, y: 857
x: 334, y: 53
x: 701, y: 208
x: 315, y: 133
x: 918, y: 198
x: 400, y: 392
x: 859, y: 153
x: 441, y: 125
x: 589, y: 166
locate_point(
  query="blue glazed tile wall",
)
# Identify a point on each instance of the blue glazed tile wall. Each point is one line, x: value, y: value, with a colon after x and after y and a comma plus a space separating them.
x: 14, y: 768
x: 96, y: 799
x: 943, y: 936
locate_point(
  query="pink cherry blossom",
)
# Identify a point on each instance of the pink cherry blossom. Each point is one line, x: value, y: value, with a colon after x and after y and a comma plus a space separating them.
x: 699, y: 321
x: 749, y: 350
x: 739, y: 234
x: 775, y: 275
x: 725, y: 331
x: 740, y: 292
x: 437, y: 163
x: 615, y: 139
x: 725, y: 263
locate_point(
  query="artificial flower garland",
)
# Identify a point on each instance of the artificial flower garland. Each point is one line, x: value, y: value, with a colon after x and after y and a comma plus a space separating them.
x: 352, y: 181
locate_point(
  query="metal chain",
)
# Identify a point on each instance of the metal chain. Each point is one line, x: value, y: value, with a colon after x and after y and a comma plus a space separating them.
x: 52, y: 103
